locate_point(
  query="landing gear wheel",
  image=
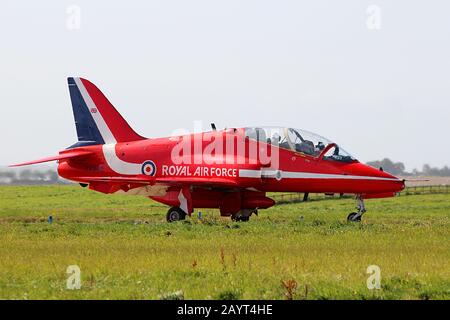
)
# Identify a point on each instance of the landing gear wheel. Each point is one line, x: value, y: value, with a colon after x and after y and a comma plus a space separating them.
x: 354, y: 217
x: 243, y: 215
x: 175, y: 214
x: 241, y: 218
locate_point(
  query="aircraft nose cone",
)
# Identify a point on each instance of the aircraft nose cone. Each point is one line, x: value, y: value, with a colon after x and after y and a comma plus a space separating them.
x: 379, y: 180
x: 394, y: 183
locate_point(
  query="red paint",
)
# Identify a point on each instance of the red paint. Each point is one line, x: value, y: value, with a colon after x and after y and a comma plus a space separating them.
x: 204, y: 184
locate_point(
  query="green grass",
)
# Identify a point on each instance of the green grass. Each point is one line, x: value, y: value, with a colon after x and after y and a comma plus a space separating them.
x: 126, y: 250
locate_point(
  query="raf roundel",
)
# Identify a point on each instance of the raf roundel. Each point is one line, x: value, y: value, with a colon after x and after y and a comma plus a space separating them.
x: 149, y: 168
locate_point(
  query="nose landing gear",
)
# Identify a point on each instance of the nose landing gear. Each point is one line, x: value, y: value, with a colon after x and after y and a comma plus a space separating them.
x: 356, y: 216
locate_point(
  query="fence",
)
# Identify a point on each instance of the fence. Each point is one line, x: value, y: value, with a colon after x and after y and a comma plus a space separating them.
x: 436, y: 189
x: 299, y: 197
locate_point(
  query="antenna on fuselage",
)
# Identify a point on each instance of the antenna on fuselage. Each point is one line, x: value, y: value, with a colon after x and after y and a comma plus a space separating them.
x: 213, y: 126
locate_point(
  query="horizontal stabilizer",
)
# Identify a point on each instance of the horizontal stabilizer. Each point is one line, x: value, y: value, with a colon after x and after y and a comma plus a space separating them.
x: 62, y: 156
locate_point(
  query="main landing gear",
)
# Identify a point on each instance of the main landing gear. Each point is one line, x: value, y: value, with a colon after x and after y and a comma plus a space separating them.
x: 244, y: 214
x: 175, y: 214
x: 356, y: 216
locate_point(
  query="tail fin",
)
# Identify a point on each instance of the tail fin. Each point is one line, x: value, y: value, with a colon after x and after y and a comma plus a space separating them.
x: 96, y: 119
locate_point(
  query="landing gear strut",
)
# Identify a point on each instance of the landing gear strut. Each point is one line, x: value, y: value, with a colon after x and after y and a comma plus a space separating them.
x: 356, y: 216
x: 175, y: 214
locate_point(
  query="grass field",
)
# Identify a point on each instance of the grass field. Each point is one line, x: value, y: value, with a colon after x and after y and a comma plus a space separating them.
x: 126, y: 250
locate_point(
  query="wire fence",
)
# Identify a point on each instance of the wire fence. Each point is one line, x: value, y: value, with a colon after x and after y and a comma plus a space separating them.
x: 281, y: 198
x: 435, y: 189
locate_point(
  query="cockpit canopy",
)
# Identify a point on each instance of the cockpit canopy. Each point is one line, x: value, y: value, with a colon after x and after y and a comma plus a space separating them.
x: 299, y: 141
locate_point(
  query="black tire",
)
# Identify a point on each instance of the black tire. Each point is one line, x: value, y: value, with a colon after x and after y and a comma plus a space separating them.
x: 240, y: 218
x: 352, y: 217
x: 175, y: 214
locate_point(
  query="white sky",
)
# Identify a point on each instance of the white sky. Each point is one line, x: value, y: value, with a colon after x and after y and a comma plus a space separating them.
x: 314, y: 65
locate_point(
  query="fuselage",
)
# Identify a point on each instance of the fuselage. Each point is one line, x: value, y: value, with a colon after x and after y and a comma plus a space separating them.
x: 212, y: 157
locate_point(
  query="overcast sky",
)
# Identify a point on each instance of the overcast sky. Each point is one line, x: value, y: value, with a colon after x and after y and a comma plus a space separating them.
x: 374, y: 76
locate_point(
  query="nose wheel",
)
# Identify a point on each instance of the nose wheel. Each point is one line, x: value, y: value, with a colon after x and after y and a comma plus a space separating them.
x: 356, y: 216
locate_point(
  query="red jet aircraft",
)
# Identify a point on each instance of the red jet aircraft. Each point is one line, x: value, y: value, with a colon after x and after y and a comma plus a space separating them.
x: 231, y: 169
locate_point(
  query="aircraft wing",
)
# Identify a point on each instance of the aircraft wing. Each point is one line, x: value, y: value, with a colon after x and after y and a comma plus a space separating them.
x: 173, y: 181
x: 199, y: 181
x: 62, y: 156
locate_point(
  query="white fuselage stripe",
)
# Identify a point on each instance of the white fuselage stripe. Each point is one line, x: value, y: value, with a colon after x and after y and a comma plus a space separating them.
x: 243, y: 173
x: 99, y: 121
x: 118, y: 165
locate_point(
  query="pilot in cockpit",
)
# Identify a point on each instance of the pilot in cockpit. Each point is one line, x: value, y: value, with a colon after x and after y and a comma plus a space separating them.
x: 275, y: 140
x: 320, y: 146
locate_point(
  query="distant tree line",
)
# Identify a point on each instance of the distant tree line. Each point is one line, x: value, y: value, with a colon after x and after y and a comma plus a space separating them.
x: 398, y: 169
x: 28, y: 176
